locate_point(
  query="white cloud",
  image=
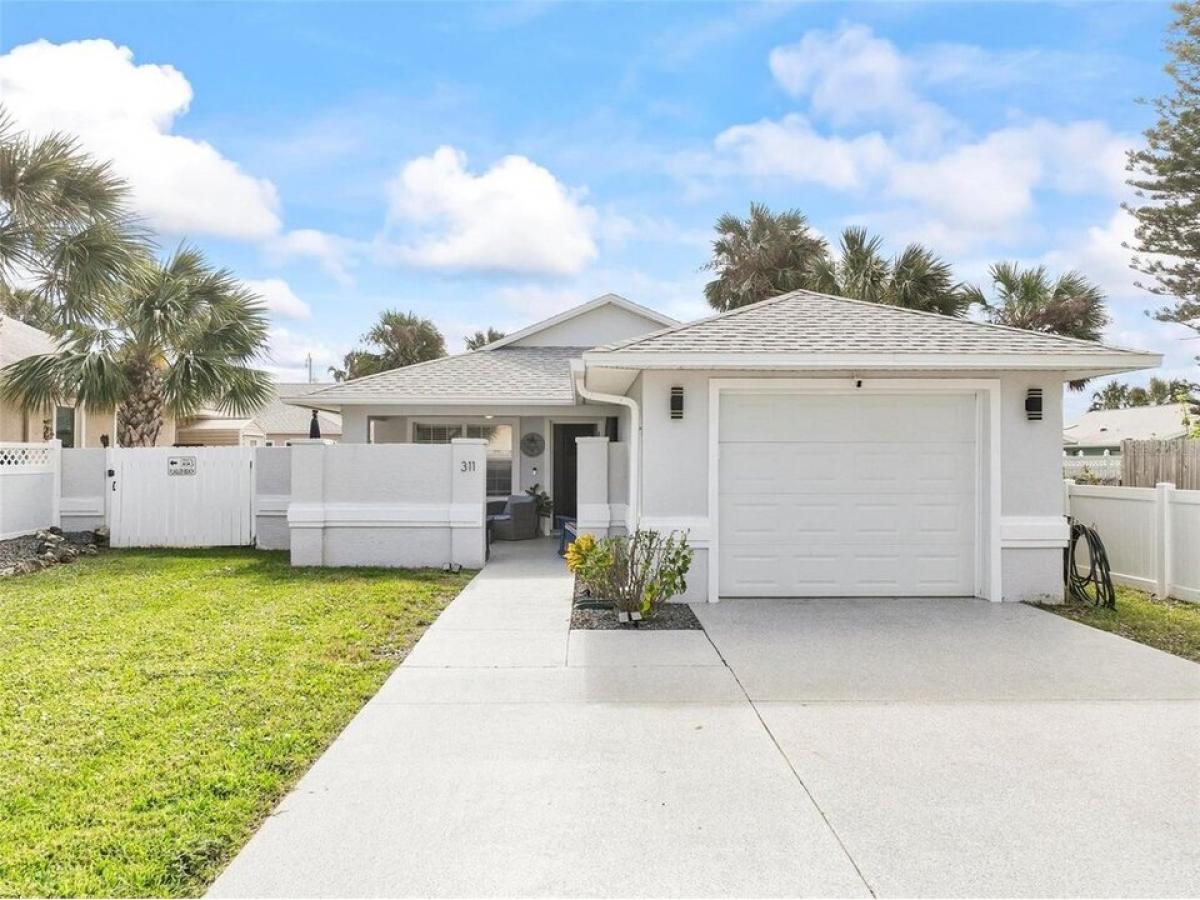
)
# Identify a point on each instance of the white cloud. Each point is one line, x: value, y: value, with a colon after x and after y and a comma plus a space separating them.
x: 791, y: 148
x: 332, y: 253
x: 125, y: 112
x: 279, y: 297
x: 289, y: 354
x: 515, y: 217
x: 851, y: 76
x: 866, y: 125
x: 985, y: 188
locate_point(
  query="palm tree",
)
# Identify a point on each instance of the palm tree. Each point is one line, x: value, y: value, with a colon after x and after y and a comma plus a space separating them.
x: 915, y: 279
x: 1113, y: 395
x: 397, y: 339
x: 1176, y: 390
x: 28, y: 306
x: 761, y: 256
x: 180, y: 338
x: 1069, y: 305
x: 66, y: 236
x: 483, y: 338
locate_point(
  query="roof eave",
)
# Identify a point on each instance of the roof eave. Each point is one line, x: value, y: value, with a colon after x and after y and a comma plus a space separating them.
x: 1075, y: 365
x: 330, y: 404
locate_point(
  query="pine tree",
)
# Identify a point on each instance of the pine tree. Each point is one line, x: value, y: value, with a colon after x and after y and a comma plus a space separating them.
x: 1166, y: 179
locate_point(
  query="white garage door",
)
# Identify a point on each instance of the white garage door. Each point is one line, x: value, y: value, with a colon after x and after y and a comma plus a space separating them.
x: 847, y: 495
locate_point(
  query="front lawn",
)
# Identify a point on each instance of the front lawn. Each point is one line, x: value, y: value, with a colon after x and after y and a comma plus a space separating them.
x: 1170, y: 625
x: 155, y: 705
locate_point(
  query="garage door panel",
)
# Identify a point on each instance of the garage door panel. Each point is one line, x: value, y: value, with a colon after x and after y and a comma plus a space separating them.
x: 847, y: 496
x: 841, y: 417
x: 820, y: 519
x: 843, y: 467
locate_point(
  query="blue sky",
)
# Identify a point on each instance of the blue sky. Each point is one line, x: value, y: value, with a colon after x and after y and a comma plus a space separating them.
x: 494, y: 164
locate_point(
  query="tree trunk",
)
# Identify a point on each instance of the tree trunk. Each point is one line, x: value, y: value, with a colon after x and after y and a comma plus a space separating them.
x: 140, y: 418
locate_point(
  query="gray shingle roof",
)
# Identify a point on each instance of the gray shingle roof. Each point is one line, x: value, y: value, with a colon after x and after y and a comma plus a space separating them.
x: 1108, y: 427
x: 806, y: 322
x: 506, y: 374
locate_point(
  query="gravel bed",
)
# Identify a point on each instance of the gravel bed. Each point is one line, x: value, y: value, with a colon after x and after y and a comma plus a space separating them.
x: 33, y: 552
x: 670, y: 617
x: 16, y: 549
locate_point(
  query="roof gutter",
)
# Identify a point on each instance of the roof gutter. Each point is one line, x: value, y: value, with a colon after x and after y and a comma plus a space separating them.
x: 579, y: 376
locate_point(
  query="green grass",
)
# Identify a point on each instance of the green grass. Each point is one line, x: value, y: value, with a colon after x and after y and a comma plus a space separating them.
x: 1169, y: 625
x: 155, y: 705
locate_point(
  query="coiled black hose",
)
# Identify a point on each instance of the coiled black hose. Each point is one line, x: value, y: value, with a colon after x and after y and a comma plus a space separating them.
x: 1094, y: 584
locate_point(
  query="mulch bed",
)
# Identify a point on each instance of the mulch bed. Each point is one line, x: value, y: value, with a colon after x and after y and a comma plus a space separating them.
x: 670, y: 616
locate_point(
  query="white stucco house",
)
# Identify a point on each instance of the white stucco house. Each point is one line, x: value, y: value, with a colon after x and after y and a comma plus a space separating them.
x: 809, y: 445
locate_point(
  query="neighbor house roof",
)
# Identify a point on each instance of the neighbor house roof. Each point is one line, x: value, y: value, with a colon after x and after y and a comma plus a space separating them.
x: 18, y: 340
x: 806, y: 329
x: 281, y: 417
x: 510, y: 375
x: 1108, y: 427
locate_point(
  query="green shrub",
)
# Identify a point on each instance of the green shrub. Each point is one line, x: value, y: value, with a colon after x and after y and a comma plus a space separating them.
x: 636, y: 573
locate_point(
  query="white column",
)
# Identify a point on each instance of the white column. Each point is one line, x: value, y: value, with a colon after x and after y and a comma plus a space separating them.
x: 591, y: 486
x: 468, y: 501
x: 1162, y: 519
x: 56, y: 452
x: 306, y: 509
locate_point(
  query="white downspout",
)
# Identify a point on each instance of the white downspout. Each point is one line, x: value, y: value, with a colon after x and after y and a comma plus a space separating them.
x: 635, y: 438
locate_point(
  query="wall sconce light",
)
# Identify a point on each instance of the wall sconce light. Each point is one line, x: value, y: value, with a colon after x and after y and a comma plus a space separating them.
x: 1033, y: 404
x: 676, y: 403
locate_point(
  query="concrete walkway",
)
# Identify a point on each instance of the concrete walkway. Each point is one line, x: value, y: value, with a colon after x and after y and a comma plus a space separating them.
x: 798, y: 748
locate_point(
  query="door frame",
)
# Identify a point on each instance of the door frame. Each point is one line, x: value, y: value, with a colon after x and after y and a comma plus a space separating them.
x: 597, y: 423
x: 987, y: 454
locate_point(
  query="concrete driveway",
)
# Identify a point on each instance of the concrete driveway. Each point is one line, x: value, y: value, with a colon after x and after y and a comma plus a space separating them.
x: 845, y: 748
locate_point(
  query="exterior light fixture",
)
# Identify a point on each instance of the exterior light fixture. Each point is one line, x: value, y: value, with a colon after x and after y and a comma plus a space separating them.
x: 676, y: 403
x: 1033, y: 404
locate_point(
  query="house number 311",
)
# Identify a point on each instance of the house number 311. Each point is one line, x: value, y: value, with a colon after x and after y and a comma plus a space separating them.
x: 467, y: 465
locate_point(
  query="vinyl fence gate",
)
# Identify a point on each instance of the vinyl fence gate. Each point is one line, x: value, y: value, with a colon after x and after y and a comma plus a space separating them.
x: 181, y: 496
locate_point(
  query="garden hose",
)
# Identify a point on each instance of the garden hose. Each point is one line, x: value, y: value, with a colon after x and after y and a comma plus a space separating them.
x: 1094, y: 585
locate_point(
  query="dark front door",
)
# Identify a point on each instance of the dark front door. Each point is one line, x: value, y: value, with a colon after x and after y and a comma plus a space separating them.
x: 565, y: 472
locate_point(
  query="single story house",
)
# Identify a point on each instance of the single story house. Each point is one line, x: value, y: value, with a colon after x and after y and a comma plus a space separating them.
x: 74, y: 426
x: 1103, y: 430
x: 277, y: 424
x: 809, y: 445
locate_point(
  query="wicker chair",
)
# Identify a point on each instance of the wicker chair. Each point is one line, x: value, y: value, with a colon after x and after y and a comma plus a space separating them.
x: 516, y: 520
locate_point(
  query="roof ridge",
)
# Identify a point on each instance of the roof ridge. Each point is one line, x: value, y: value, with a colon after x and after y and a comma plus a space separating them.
x: 417, y: 365
x: 622, y: 345
x: 806, y: 294
x: 967, y: 321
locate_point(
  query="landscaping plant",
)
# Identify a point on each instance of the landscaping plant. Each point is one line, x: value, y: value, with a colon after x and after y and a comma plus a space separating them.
x: 635, y: 573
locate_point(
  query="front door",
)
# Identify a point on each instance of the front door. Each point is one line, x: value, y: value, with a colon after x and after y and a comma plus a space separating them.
x: 565, y: 471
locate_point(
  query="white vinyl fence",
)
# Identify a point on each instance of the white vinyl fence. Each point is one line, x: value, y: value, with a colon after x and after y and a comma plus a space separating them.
x: 330, y: 505
x: 1152, y: 535
x: 1106, y: 468
x: 29, y: 487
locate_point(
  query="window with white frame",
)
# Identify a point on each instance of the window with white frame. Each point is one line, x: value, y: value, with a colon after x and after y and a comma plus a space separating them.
x: 499, y: 448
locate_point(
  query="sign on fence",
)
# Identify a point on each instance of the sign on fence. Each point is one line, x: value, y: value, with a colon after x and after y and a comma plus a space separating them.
x: 159, y: 498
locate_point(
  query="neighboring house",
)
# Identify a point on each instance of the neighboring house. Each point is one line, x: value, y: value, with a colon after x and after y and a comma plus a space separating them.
x: 74, y: 426
x: 276, y: 424
x: 1103, y: 429
x: 809, y: 445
